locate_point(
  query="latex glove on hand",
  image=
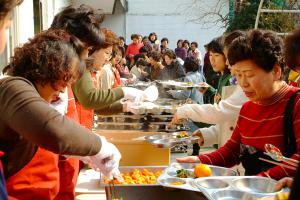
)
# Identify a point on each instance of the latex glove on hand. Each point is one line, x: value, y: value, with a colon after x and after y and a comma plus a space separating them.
x: 150, y: 93
x: 107, y: 160
x: 61, y: 104
x: 132, y: 94
x: 135, y: 95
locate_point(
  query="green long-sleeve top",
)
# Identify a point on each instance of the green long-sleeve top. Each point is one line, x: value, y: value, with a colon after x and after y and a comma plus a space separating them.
x: 223, y: 81
x: 91, y: 97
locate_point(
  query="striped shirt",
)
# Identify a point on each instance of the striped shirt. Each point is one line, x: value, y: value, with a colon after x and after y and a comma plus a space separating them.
x: 260, y: 123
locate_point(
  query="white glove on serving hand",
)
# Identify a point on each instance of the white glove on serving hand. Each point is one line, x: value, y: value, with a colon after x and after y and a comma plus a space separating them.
x: 107, y: 160
x: 133, y: 94
x: 61, y: 105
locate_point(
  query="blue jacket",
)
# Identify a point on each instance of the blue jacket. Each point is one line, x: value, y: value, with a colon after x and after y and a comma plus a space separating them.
x: 194, y: 94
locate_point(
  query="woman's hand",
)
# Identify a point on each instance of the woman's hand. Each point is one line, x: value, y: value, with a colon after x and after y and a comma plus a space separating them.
x: 188, y: 159
x: 176, y: 120
x: 199, y: 134
x: 284, y: 182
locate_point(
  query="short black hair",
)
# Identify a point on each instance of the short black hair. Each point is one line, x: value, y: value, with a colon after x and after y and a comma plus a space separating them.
x: 191, y: 64
x: 292, y: 50
x: 229, y: 37
x: 156, y: 55
x: 164, y: 39
x: 263, y: 47
x: 170, y: 53
x: 122, y: 38
x: 141, y: 61
x: 215, y: 46
x: 195, y: 43
x: 134, y: 36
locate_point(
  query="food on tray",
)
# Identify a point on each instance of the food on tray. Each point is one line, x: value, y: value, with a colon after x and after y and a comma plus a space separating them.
x: 202, y: 170
x: 177, y: 183
x: 182, y: 134
x: 143, y: 176
x: 182, y: 173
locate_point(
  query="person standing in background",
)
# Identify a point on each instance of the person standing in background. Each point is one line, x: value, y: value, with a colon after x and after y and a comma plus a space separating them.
x: 164, y: 43
x: 195, y: 52
x: 133, y: 48
x: 154, y: 41
x: 122, y: 42
x: 180, y: 51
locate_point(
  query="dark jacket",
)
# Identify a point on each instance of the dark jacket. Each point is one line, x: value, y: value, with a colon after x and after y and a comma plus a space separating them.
x: 27, y: 121
x: 181, y: 53
x: 172, y: 72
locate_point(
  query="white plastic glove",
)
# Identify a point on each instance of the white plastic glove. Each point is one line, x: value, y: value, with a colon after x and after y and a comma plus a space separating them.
x: 150, y: 93
x: 61, y: 105
x: 107, y: 160
x: 132, y: 94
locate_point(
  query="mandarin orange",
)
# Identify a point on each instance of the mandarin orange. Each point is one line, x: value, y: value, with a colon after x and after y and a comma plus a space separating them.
x: 202, y: 170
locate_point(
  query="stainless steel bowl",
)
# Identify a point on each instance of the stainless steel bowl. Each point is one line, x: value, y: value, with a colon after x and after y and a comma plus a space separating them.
x: 222, y: 171
x: 151, y: 138
x: 171, y: 181
x: 231, y: 195
x: 255, y: 184
x: 168, y: 143
x: 211, y: 183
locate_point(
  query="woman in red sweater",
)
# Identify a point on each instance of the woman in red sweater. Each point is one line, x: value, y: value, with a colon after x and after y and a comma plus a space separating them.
x: 257, y: 59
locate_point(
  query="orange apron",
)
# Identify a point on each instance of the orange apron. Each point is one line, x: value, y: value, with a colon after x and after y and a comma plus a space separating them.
x: 68, y: 167
x: 39, y: 179
x: 86, y: 115
x: 117, y: 82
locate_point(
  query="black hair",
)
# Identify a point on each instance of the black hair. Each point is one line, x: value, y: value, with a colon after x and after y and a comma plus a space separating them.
x: 215, y: 46
x: 191, y: 64
x: 82, y: 22
x: 195, y: 43
x: 263, y: 47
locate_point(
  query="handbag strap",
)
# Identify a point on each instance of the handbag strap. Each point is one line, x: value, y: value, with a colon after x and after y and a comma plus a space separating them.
x: 289, y: 136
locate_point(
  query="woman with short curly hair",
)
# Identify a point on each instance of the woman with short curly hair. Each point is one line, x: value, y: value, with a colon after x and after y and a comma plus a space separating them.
x: 30, y: 129
x: 257, y: 58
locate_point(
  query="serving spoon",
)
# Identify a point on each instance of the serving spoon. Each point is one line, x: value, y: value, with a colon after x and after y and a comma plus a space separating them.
x: 276, y: 154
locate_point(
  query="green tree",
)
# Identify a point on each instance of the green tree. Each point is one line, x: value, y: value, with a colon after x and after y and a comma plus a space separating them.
x: 245, y: 19
x: 279, y: 22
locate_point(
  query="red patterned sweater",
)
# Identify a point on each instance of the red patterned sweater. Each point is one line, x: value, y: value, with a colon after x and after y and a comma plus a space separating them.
x: 258, y: 124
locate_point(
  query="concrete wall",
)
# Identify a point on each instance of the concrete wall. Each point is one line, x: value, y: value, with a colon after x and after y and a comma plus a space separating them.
x: 168, y: 18
x: 117, y: 21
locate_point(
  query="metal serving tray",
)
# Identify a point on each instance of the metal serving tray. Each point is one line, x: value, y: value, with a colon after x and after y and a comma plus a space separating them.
x: 150, y: 191
x: 183, y: 85
x: 223, y: 184
x: 169, y: 140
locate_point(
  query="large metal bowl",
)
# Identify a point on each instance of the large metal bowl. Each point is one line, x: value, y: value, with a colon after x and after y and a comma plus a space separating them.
x: 211, y: 183
x: 231, y: 195
x: 255, y: 184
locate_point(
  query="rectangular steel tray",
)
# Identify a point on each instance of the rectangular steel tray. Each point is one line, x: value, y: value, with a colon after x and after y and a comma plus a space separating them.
x: 150, y: 191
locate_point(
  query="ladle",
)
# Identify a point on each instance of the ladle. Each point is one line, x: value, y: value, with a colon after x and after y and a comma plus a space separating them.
x: 276, y: 154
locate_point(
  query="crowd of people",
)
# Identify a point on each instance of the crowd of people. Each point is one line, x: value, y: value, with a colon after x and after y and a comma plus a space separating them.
x: 55, y: 82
